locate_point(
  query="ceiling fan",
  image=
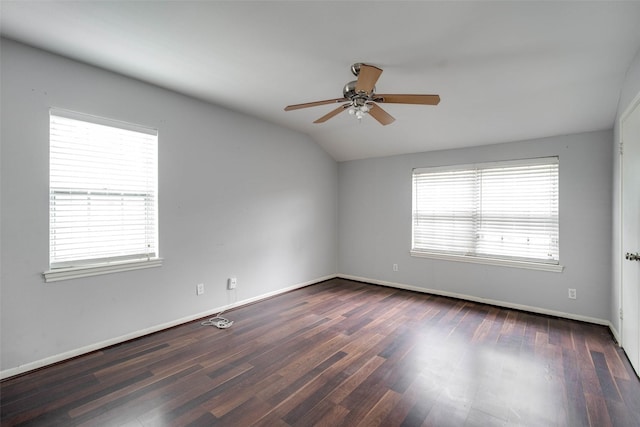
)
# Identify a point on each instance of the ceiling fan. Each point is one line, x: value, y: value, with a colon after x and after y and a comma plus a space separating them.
x: 359, y: 97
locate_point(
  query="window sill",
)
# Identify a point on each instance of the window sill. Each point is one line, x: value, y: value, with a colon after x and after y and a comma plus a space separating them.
x: 59, y: 274
x: 491, y: 261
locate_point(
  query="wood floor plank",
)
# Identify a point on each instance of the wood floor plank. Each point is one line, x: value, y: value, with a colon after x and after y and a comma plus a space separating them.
x: 123, y: 395
x: 597, y: 409
x: 577, y: 410
x: 381, y: 409
x: 315, y: 394
x: 369, y: 364
x: 343, y: 353
x: 163, y: 405
x: 607, y: 385
x: 142, y: 406
x: 331, y: 416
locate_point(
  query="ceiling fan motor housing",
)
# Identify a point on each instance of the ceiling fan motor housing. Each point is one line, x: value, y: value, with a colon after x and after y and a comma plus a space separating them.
x: 349, y: 91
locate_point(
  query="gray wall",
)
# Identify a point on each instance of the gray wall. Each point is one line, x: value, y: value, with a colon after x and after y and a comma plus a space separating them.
x: 237, y: 197
x: 629, y: 91
x: 374, y: 205
x: 245, y: 198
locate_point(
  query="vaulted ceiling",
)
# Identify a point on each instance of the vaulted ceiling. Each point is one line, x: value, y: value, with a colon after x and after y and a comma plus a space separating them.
x: 505, y: 70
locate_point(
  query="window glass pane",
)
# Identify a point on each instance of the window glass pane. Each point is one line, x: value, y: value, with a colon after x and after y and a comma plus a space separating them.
x: 505, y: 210
x: 103, y: 186
x: 444, y: 211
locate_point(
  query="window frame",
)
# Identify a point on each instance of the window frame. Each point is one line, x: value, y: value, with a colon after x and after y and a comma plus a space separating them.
x: 76, y: 268
x: 489, y: 259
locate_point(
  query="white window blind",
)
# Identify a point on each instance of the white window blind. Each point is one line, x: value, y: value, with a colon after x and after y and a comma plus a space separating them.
x: 505, y: 210
x: 103, y: 191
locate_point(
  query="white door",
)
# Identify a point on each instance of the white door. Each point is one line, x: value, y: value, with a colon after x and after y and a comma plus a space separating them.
x: 631, y: 234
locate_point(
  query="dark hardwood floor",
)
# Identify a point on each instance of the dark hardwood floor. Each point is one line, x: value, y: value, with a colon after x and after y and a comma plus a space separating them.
x: 343, y: 353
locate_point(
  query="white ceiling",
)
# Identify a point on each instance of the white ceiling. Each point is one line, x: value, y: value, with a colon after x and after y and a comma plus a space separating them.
x: 505, y: 71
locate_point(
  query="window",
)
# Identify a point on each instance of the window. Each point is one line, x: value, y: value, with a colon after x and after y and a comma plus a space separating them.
x: 502, y: 213
x: 102, y: 196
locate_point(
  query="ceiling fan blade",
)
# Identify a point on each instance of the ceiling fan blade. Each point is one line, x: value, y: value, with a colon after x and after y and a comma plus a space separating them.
x: 407, y: 99
x: 332, y: 113
x: 314, y: 104
x: 380, y: 115
x: 367, y: 78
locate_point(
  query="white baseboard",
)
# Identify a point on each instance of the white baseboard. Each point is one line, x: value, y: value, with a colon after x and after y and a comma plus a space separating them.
x: 137, y: 334
x: 140, y: 333
x: 616, y: 334
x: 498, y: 303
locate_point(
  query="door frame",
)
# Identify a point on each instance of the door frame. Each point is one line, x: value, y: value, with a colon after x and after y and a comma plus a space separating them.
x: 635, y: 103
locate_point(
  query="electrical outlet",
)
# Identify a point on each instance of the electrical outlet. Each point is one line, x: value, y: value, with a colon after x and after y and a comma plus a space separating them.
x: 572, y: 293
x: 232, y: 282
x: 395, y: 267
x: 200, y: 289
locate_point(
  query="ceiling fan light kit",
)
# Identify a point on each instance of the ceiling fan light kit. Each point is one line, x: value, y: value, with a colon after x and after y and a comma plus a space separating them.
x: 360, y: 98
